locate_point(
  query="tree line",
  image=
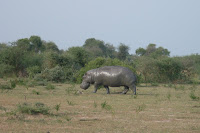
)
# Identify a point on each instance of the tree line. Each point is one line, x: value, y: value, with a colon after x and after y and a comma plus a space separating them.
x: 38, y: 59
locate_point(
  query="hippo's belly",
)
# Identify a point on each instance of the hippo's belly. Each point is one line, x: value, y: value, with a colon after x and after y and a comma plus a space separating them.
x: 111, y: 80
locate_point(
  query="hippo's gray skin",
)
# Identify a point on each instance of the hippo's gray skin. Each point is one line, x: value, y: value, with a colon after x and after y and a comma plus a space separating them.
x: 113, y: 76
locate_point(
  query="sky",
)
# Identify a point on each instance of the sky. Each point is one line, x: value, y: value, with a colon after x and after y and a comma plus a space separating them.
x: 172, y: 24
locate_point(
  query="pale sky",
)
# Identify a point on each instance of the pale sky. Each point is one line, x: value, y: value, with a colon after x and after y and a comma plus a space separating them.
x: 172, y: 24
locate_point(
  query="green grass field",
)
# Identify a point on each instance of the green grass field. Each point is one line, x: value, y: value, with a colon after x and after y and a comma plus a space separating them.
x: 163, y: 108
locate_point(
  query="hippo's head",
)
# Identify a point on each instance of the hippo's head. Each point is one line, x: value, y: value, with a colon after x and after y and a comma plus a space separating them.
x: 86, y: 81
x: 85, y: 85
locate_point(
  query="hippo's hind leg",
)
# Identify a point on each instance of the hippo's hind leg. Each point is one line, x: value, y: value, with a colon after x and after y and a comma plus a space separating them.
x: 133, y: 88
x: 107, y: 88
x: 126, y: 88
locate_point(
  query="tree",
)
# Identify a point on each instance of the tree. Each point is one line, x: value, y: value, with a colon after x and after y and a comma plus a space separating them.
x: 13, y: 56
x: 24, y: 44
x: 152, y: 51
x: 161, y: 51
x: 5, y: 68
x: 3, y: 46
x: 51, y: 46
x: 36, y: 43
x: 95, y: 47
x: 110, y: 51
x: 123, y: 51
x: 78, y: 55
x: 140, y: 51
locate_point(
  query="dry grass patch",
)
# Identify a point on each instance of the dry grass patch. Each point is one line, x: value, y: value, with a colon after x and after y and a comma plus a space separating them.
x: 154, y: 109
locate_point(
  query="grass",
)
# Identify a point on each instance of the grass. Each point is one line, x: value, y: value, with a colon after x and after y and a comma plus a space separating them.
x: 169, y: 96
x: 106, y: 106
x: 140, y: 108
x: 148, y: 111
x: 95, y: 104
x: 57, y: 107
x: 70, y: 103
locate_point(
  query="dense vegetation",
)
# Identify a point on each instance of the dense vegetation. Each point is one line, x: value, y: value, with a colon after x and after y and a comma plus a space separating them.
x: 37, y: 59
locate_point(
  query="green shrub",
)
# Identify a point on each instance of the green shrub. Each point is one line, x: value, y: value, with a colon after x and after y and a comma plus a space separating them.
x: 193, y: 97
x: 32, y: 71
x: 31, y: 84
x: 55, y: 74
x: 36, y: 92
x: 3, y: 108
x: 5, y: 69
x: 42, y: 82
x: 50, y: 87
x: 13, y: 84
x: 37, y: 108
x: 21, y: 81
x: 9, y: 85
x: 180, y: 87
x: 154, y: 84
x: 169, y: 69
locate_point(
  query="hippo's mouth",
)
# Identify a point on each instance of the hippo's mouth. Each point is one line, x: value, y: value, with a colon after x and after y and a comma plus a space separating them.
x: 85, y: 85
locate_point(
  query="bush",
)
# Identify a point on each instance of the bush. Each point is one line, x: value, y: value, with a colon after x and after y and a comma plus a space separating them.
x: 35, y: 92
x: 5, y: 69
x: 32, y: 71
x: 193, y: 97
x: 55, y: 74
x: 169, y: 69
x: 37, y: 108
x: 50, y: 87
x: 9, y: 85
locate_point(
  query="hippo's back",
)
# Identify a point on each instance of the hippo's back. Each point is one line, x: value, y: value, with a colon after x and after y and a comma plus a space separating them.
x: 115, y: 76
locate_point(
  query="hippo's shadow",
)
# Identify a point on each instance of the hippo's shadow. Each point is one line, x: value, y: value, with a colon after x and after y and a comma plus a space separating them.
x: 140, y: 94
x: 118, y: 92
x: 147, y: 94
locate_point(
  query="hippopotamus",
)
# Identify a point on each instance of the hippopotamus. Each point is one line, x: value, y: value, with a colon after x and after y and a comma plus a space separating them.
x: 113, y: 76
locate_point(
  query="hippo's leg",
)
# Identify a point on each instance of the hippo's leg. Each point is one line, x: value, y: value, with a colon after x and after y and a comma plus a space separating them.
x: 126, y: 88
x: 95, y: 88
x: 107, y: 88
x: 133, y: 88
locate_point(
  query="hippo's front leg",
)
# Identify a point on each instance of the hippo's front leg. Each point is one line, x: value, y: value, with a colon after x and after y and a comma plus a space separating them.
x: 107, y: 88
x: 95, y: 88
